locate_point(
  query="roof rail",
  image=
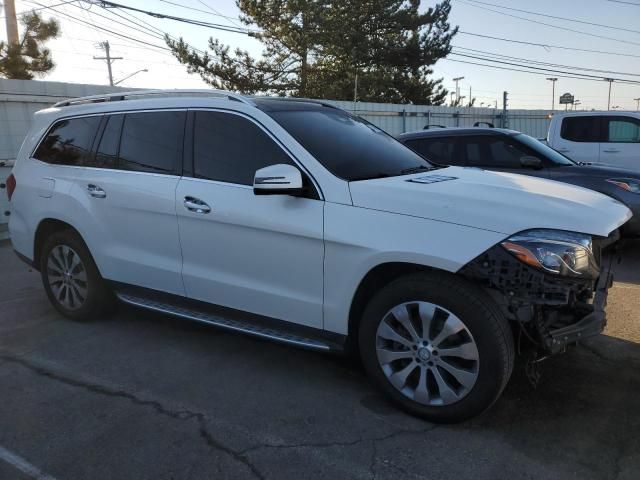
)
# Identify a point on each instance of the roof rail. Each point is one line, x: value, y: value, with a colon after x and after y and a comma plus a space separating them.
x: 120, y: 96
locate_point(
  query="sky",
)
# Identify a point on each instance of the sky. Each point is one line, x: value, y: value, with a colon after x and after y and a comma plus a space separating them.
x: 80, y: 36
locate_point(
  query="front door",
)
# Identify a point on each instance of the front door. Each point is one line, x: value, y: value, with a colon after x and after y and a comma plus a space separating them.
x: 262, y: 254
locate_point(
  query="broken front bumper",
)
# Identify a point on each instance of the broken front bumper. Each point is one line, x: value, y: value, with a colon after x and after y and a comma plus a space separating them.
x: 555, y: 311
x: 591, y: 324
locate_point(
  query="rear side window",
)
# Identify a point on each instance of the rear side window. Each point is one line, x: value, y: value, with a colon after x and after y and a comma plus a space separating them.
x: 69, y: 141
x: 230, y: 148
x: 106, y: 155
x: 623, y: 130
x: 152, y: 142
x: 582, y: 129
x: 439, y: 150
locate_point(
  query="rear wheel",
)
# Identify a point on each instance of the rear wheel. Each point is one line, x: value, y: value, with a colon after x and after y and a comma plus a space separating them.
x: 70, y: 277
x: 437, y: 346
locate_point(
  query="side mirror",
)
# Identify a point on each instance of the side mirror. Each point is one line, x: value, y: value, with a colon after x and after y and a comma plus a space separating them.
x: 280, y: 179
x: 531, y: 162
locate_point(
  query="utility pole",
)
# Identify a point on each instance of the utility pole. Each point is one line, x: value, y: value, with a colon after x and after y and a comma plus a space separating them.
x: 637, y: 100
x: 457, y: 89
x: 470, y: 97
x: 505, y: 101
x: 108, y: 58
x: 12, y: 22
x: 553, y: 81
x: 610, y: 80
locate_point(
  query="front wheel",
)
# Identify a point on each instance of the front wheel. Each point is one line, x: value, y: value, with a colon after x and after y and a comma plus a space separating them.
x: 437, y: 346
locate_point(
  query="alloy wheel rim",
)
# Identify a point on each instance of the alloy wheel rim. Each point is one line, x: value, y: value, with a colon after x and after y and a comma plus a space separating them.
x: 67, y: 277
x: 427, y: 353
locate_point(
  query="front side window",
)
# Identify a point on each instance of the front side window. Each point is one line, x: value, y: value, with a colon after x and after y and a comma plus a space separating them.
x: 349, y: 147
x: 623, y: 130
x: 230, y: 148
x: 69, y: 141
x: 581, y: 129
x: 152, y: 141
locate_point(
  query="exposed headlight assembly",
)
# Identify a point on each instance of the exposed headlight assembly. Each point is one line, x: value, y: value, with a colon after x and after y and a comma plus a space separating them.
x: 628, y: 184
x: 557, y: 252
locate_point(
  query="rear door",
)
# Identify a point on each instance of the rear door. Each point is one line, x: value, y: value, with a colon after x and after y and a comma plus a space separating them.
x: 128, y: 188
x: 262, y: 254
x: 621, y: 145
x: 579, y: 137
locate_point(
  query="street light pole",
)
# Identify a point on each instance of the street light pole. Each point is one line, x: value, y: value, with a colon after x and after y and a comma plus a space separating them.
x: 553, y: 81
x: 610, y: 80
x: 129, y: 76
x: 637, y: 100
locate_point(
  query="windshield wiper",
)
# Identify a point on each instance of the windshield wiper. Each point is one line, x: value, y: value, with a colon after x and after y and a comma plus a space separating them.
x: 420, y: 168
x: 372, y: 176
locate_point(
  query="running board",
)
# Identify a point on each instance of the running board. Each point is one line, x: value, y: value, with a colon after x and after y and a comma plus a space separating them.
x: 201, y: 314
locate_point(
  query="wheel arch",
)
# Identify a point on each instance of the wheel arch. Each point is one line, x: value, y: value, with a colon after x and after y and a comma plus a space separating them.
x: 46, y: 228
x: 375, y: 279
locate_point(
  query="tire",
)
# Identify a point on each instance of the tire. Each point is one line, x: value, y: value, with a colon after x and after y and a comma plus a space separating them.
x: 71, y: 278
x: 410, y: 368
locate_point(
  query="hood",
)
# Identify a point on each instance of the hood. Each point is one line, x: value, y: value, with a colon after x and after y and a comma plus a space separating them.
x: 501, y: 202
x: 603, y: 170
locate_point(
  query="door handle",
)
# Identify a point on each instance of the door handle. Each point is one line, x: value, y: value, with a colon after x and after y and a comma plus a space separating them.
x: 96, y: 191
x: 611, y: 150
x: 196, y: 205
x: 562, y: 150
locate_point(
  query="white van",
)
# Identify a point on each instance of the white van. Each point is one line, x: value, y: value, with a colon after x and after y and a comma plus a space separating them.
x: 295, y: 221
x: 606, y: 138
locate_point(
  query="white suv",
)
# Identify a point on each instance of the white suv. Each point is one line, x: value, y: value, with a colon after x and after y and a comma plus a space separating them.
x: 296, y: 221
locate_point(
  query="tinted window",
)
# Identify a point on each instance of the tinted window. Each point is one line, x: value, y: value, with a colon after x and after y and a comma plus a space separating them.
x: 439, y: 150
x: 581, y: 129
x: 554, y: 158
x: 230, y: 148
x: 69, y: 141
x: 107, y: 152
x: 623, y: 130
x: 152, y: 141
x: 348, y: 146
x: 493, y: 151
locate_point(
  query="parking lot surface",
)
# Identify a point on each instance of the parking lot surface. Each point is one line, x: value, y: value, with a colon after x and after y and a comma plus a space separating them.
x: 145, y: 396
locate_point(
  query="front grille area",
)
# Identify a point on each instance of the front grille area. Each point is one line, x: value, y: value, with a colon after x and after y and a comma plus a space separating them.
x: 498, y: 269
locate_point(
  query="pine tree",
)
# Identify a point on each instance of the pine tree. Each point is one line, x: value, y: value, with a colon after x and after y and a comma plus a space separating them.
x: 29, y: 57
x: 315, y: 48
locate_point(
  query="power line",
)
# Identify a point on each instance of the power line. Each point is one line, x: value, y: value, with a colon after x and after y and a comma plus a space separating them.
x: 498, y: 67
x: 549, y: 24
x: 626, y: 3
x: 547, y: 45
x: 575, y: 74
x: 210, y: 11
x: 200, y: 23
x: 99, y: 27
x: 42, y: 8
x: 536, y: 62
x: 584, y: 22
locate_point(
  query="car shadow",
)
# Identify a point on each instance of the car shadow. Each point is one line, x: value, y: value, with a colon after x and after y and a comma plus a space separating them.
x: 626, y: 268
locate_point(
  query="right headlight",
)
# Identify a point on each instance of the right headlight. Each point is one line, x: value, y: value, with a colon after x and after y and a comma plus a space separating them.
x: 557, y: 252
x: 628, y: 184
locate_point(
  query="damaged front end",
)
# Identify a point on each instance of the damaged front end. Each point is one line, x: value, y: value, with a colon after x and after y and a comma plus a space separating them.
x: 553, y: 284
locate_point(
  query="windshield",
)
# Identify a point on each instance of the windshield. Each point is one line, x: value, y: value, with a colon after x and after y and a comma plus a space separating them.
x: 349, y: 147
x: 543, y: 149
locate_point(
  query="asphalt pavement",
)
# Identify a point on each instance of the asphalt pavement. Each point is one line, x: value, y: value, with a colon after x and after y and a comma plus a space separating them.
x: 145, y: 396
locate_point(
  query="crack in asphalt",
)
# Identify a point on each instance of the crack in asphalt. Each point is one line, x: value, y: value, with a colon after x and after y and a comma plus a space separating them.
x: 199, y: 417
x: 241, y: 456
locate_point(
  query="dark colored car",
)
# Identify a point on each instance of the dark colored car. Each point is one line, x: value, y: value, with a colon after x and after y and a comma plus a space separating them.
x: 510, y: 151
